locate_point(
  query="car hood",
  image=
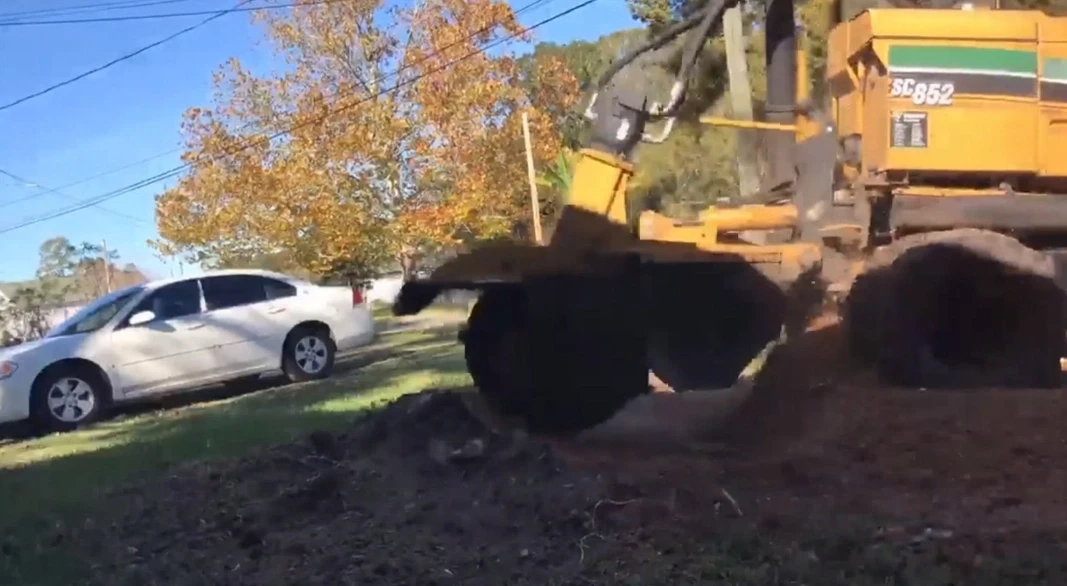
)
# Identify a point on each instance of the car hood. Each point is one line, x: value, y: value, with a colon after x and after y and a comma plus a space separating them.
x: 42, y: 344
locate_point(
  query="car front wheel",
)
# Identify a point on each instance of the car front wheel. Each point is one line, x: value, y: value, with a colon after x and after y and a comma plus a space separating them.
x: 308, y: 354
x: 68, y: 397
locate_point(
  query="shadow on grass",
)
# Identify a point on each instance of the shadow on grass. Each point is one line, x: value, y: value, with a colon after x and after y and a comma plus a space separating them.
x: 49, y: 479
x: 389, y: 345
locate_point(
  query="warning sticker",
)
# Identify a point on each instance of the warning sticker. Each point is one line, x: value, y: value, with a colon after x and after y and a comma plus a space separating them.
x: 908, y: 130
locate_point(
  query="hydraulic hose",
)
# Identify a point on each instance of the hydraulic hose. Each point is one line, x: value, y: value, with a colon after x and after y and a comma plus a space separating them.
x: 705, y: 18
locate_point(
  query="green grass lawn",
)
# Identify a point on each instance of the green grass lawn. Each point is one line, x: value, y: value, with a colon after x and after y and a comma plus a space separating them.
x: 42, y: 480
x: 383, y: 312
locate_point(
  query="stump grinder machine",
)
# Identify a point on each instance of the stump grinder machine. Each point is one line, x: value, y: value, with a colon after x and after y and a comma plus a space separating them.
x: 931, y: 192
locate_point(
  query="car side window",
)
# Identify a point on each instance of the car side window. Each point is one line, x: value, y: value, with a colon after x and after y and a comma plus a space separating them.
x: 226, y: 291
x: 276, y: 289
x: 172, y: 301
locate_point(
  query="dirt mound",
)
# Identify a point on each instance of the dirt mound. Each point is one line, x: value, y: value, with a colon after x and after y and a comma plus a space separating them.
x: 420, y: 493
x: 961, y: 483
x: 981, y: 460
x: 958, y: 309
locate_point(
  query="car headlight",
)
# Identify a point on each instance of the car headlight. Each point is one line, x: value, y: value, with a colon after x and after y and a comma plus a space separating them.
x: 7, y: 368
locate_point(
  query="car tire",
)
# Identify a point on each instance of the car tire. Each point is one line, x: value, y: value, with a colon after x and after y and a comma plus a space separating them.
x: 308, y: 354
x: 66, y: 397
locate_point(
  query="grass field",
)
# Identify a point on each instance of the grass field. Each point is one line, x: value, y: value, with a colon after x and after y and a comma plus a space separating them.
x: 42, y: 480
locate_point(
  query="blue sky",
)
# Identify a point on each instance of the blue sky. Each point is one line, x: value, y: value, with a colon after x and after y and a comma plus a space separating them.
x: 132, y: 111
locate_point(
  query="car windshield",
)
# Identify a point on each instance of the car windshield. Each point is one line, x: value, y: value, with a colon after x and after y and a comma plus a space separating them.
x: 96, y: 314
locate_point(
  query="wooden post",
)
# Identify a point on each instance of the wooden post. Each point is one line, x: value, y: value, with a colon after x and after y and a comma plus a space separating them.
x: 740, y: 100
x: 534, y: 202
x: 107, y: 266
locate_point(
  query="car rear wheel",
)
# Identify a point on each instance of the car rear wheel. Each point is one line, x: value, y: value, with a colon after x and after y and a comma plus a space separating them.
x: 308, y: 354
x: 67, y: 397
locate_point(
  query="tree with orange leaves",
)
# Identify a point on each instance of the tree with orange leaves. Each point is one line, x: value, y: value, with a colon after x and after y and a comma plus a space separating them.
x: 389, y: 136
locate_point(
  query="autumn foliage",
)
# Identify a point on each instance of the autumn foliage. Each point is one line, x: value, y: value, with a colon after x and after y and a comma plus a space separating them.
x: 405, y: 138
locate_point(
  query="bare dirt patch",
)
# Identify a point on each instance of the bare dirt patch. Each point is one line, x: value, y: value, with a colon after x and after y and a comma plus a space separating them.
x: 919, y: 487
x: 822, y: 479
x: 420, y: 493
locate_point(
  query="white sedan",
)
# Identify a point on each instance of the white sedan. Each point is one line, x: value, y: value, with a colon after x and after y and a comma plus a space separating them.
x: 179, y: 334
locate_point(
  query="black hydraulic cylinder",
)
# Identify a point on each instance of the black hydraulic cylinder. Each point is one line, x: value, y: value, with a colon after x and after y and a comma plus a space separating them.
x: 781, y: 91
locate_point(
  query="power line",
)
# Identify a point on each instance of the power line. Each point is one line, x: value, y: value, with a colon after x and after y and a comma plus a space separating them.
x: 179, y: 169
x: 530, y: 6
x: 28, y: 183
x: 89, y: 8
x: 125, y: 57
x: 88, y: 179
x: 100, y: 19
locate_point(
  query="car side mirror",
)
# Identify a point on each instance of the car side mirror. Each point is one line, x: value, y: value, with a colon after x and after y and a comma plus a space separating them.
x: 141, y: 317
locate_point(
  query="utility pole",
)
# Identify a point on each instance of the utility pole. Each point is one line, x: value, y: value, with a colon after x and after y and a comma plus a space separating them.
x: 740, y: 100
x: 531, y: 175
x: 107, y: 265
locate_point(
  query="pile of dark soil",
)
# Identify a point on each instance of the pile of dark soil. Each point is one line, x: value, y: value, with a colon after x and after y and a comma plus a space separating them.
x: 418, y: 493
x: 822, y: 480
x: 905, y: 486
x: 984, y: 461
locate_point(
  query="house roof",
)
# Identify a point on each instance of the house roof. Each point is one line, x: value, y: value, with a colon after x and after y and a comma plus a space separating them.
x: 72, y: 293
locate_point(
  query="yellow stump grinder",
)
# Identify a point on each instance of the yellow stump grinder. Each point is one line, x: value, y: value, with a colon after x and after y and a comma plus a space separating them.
x: 932, y: 188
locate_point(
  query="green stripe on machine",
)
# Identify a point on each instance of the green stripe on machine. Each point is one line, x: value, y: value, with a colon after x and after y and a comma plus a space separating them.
x: 988, y: 60
x: 1054, y: 69
x: 982, y: 70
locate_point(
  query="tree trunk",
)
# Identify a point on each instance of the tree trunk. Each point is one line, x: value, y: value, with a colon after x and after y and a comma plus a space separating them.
x: 408, y: 265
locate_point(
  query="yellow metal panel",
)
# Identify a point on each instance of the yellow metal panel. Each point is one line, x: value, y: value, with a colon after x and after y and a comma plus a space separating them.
x: 1053, y: 30
x: 875, y: 121
x: 714, y: 221
x: 1053, y: 141
x: 751, y: 217
x: 848, y: 101
x: 746, y: 124
x: 1008, y: 137
x: 599, y: 185
x: 837, y: 51
x: 846, y: 106
x: 1052, y: 116
x: 959, y: 25
x: 951, y: 145
x: 859, y: 33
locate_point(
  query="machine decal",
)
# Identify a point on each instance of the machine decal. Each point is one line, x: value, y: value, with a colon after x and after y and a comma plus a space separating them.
x: 908, y: 130
x: 934, y: 93
x: 984, y: 71
x: 1054, y: 80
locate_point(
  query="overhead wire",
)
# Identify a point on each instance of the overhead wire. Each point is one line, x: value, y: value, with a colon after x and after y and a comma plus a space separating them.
x: 27, y: 183
x: 122, y: 58
x: 529, y: 6
x: 171, y: 173
x: 89, y: 8
x: 158, y: 16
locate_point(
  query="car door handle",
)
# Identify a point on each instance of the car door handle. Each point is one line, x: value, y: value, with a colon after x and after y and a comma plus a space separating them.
x: 195, y: 326
x: 276, y: 310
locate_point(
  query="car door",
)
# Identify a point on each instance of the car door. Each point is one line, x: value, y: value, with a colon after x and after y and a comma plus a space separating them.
x: 172, y: 350
x: 247, y: 316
